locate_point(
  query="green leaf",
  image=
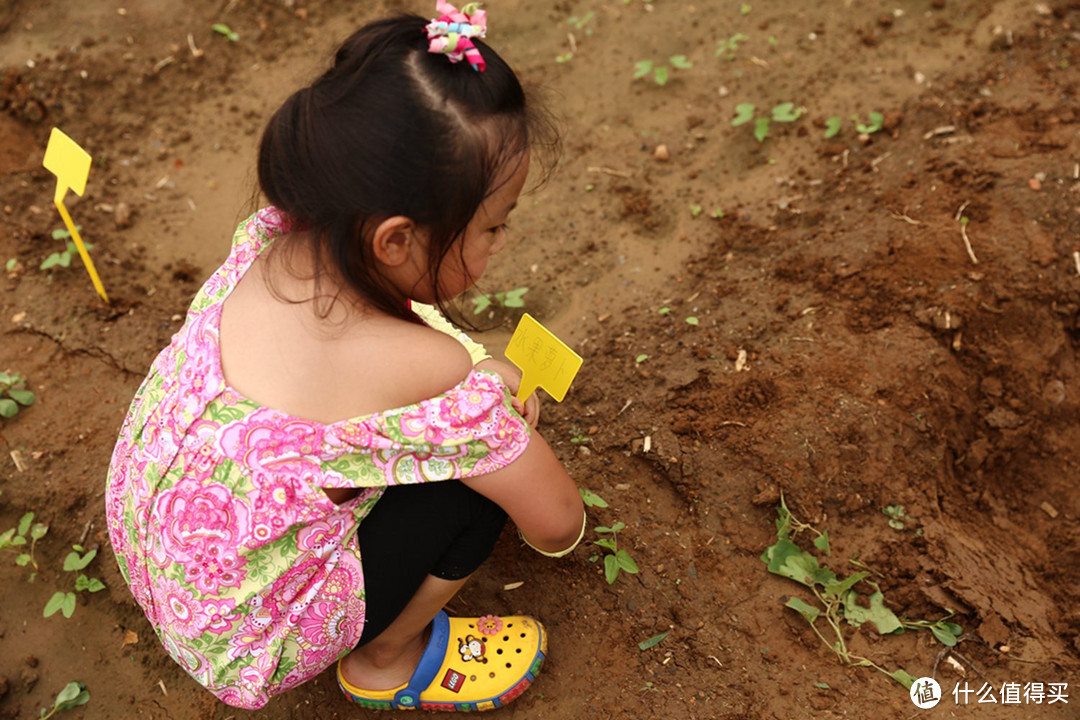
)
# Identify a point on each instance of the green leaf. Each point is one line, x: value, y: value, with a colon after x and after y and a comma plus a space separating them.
x: 65, y: 259
x: 68, y: 606
x: 642, y: 68
x: 61, y: 233
x: 482, y: 303
x: 664, y: 310
x: 744, y: 113
x: 882, y: 617
x: 660, y: 75
x: 591, y: 499
x: 822, y: 685
x: 617, y: 527
x: 839, y: 588
x: 695, y: 210
x: 24, y: 523
x: 901, y: 676
x: 653, y: 641
x: 223, y: 29
x: 680, y: 61
x: 74, y: 562
x: 5, y: 538
x: 22, y: 560
x: 608, y: 543
x: 626, y: 562
x: 95, y: 585
x: 11, y: 263
x: 952, y: 627
x: 641, y: 358
x: 786, y: 112
x: 73, y: 695
x: 832, y: 126
x: 761, y: 129
x: 38, y: 530
x: 808, y: 611
x: 691, y: 320
x: 54, y: 604
x: 23, y: 397
x: 50, y: 261
x: 821, y: 542
x: 515, y: 297
x: 611, y: 569
x: 943, y: 635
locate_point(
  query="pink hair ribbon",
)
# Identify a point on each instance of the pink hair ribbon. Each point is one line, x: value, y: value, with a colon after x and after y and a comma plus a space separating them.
x: 452, y: 32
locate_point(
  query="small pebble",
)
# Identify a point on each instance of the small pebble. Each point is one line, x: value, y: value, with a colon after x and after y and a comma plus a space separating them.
x: 1034, y: 184
x: 662, y: 153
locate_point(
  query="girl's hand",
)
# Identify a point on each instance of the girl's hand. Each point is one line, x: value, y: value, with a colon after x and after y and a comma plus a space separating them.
x: 530, y: 409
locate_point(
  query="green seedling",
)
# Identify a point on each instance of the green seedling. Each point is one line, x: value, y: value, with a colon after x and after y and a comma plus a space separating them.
x: 641, y: 358
x: 729, y: 46
x: 745, y: 9
x: 510, y: 299
x: 872, y: 125
x: 898, y: 519
x: 695, y: 210
x: 832, y: 126
x: 591, y: 499
x: 660, y: 72
x: 618, y: 560
x: 228, y: 32
x: 664, y: 311
x: 691, y: 320
x: 717, y: 213
x: 13, y: 394
x: 75, y: 561
x: 73, y: 695
x: 63, y: 258
x: 653, y: 641
x: 837, y: 600
x: 11, y: 264
x: 582, y: 23
x: 22, y: 540
x: 579, y: 438
x: 649, y: 686
x: 785, y: 112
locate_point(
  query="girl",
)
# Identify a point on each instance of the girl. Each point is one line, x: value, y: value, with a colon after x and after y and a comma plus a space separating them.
x: 318, y: 461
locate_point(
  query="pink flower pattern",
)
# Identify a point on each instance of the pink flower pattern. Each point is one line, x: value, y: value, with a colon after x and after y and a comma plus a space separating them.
x: 250, y: 576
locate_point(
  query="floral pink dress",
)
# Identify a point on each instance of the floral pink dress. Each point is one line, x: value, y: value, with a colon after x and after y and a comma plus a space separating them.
x: 249, y: 574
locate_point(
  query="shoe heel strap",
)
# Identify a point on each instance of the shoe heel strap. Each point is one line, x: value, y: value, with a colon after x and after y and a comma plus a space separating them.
x: 430, y: 662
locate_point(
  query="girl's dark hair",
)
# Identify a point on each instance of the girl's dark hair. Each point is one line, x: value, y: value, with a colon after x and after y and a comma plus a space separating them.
x: 392, y: 129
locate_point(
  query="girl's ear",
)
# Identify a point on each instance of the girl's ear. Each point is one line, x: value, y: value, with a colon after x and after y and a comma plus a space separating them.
x: 394, y: 240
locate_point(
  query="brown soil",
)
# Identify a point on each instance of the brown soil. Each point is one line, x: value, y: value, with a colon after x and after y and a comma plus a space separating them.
x: 848, y: 353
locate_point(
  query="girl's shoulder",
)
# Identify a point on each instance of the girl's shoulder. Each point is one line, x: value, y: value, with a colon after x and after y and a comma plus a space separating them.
x: 425, y: 362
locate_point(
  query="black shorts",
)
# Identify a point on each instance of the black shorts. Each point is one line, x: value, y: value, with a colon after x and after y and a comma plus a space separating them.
x: 442, y: 528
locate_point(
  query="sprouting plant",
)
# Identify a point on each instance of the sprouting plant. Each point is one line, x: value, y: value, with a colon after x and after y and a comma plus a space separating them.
x: 228, y: 32
x: 579, y: 437
x: 692, y: 320
x: 618, y: 560
x: 837, y: 600
x: 664, y: 310
x: 11, y: 264
x: 898, y: 518
x: 729, y: 46
x: 745, y: 9
x: 13, y: 394
x: 582, y: 23
x: 717, y: 213
x: 695, y: 210
x: 509, y: 299
x: 63, y: 258
x: 591, y: 499
x: 785, y: 112
x: 653, y: 641
x: 73, y: 695
x: 874, y: 123
x: 22, y: 540
x: 832, y: 126
x: 75, y: 561
x: 660, y: 72
x: 641, y: 358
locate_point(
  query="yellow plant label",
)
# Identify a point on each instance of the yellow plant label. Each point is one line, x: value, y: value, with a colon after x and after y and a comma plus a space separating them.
x: 71, y: 166
x: 68, y: 162
x: 544, y: 360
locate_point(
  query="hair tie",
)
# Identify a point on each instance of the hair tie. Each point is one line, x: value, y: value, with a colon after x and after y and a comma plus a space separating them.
x: 452, y: 32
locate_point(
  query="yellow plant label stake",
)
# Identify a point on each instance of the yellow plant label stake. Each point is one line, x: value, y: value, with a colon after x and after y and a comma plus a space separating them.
x: 71, y: 166
x: 544, y: 360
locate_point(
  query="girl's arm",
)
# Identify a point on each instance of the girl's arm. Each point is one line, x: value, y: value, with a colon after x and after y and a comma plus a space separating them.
x: 530, y: 409
x: 538, y: 495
